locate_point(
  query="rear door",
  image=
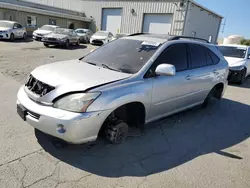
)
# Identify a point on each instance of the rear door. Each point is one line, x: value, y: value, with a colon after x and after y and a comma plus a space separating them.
x: 20, y: 30
x: 202, y: 78
x: 16, y: 30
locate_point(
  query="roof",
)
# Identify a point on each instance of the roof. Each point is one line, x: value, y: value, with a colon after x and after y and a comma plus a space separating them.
x: 51, y: 25
x: 201, y: 6
x: 150, y: 37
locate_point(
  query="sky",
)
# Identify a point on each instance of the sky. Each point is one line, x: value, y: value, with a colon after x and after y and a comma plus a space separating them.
x: 236, y: 13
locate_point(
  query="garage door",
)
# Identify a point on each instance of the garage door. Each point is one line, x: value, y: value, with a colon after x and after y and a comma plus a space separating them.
x: 157, y: 23
x: 111, y: 20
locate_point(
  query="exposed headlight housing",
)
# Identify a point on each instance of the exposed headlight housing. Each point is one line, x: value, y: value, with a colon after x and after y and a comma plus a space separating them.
x: 78, y: 102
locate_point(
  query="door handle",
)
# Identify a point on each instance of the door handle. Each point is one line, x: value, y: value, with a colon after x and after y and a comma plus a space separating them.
x: 188, y: 77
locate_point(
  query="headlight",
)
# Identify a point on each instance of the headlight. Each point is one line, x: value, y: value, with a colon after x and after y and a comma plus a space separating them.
x: 76, y: 102
x: 237, y: 68
x: 63, y: 39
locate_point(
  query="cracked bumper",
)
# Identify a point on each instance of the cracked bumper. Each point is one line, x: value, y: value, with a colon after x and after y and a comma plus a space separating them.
x: 79, y: 127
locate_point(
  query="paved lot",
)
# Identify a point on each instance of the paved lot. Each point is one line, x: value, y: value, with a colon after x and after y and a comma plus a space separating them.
x: 197, y: 148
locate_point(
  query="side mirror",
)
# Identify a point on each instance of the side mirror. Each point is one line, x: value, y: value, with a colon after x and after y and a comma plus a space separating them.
x: 165, y: 70
x: 15, y: 27
x: 248, y: 57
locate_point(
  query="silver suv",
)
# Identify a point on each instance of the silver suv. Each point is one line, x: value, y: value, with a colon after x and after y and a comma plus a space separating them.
x: 128, y: 82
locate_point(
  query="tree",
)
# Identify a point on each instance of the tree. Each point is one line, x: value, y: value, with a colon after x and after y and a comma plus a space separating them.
x: 245, y: 42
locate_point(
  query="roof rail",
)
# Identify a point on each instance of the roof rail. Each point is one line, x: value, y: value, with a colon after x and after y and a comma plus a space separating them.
x: 134, y: 34
x: 186, y: 37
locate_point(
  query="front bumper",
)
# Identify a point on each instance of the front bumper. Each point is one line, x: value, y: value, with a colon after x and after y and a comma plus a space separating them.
x: 36, y: 37
x: 4, y: 36
x: 235, y: 74
x: 54, y: 42
x: 79, y: 127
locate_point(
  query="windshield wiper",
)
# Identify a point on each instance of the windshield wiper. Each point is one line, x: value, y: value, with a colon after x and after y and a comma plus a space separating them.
x: 90, y: 63
x: 107, y: 67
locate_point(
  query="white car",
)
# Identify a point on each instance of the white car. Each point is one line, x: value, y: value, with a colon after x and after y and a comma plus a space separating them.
x: 11, y: 30
x: 44, y: 30
x: 101, y: 37
x: 84, y: 34
x: 238, y: 58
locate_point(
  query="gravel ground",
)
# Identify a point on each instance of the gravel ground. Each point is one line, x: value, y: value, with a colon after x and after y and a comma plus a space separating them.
x: 197, y: 148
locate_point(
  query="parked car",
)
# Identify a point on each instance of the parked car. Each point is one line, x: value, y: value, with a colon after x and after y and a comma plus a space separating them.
x: 44, y: 30
x: 61, y: 37
x: 119, y: 35
x: 84, y: 34
x: 103, y: 93
x: 12, y: 30
x: 238, y: 58
x: 101, y: 37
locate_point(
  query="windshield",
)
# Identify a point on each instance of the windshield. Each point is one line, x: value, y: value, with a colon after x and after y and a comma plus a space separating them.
x: 231, y: 51
x: 103, y: 34
x: 47, y: 28
x: 62, y: 31
x: 120, y: 35
x: 6, y: 24
x: 125, y: 55
x: 81, y: 31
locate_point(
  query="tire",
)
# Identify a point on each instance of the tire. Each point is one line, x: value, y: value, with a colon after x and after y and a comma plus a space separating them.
x: 78, y: 43
x: 24, y: 36
x: 242, y: 77
x: 207, y: 99
x: 12, y: 37
x: 117, y: 133
x: 67, y: 44
x: 46, y: 45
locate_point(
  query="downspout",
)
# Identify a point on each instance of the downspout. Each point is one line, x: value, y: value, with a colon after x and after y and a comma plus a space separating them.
x: 185, y: 18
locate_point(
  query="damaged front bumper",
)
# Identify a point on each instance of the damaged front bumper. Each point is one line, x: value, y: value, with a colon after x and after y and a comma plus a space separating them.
x: 71, y: 127
x: 235, y: 73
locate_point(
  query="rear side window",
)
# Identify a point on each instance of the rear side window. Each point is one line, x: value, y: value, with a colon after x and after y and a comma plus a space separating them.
x: 175, y: 55
x: 198, y: 55
x: 212, y: 58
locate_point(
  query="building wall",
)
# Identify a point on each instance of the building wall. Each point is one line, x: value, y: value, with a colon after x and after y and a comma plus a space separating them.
x: 74, y: 5
x: 132, y: 23
x: 202, y: 22
x: 21, y: 17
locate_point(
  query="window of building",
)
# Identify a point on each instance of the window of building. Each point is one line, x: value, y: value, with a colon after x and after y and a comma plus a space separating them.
x: 52, y: 21
x: 31, y: 21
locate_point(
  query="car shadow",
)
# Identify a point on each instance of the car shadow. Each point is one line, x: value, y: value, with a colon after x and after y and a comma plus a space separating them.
x: 166, y: 144
x: 28, y: 39
x: 246, y: 84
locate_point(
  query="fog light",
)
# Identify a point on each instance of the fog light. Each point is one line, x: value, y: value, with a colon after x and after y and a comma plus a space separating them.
x: 60, y: 128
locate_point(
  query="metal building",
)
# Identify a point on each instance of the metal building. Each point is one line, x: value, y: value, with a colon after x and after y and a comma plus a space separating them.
x: 174, y: 17
x: 33, y: 15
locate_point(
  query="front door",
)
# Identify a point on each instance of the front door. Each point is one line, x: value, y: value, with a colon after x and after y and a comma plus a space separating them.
x: 171, y: 93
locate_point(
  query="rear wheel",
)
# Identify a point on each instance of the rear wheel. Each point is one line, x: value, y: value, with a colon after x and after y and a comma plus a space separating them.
x: 216, y: 92
x: 12, y: 37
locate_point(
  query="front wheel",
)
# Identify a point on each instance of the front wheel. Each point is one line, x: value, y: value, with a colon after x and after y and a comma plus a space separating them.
x: 242, y: 77
x: 78, y: 43
x: 117, y: 132
x: 24, y: 36
x: 46, y: 45
x: 12, y: 37
x: 67, y: 44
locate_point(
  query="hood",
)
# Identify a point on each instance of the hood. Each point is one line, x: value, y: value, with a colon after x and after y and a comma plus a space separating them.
x: 43, y: 32
x: 4, y: 29
x: 233, y: 61
x: 55, y: 35
x: 75, y: 75
x: 99, y: 37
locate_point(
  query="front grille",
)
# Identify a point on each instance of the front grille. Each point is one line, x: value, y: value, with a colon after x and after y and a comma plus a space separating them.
x: 97, y: 41
x: 39, y: 34
x: 38, y: 87
x: 52, y: 39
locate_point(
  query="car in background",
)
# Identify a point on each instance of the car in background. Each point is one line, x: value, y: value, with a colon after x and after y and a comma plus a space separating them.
x: 61, y: 37
x: 128, y: 82
x: 101, y: 37
x: 238, y: 58
x: 44, y: 30
x: 12, y: 30
x: 119, y: 35
x: 84, y: 34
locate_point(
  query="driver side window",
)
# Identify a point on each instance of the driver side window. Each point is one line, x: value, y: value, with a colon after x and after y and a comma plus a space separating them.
x: 175, y: 54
